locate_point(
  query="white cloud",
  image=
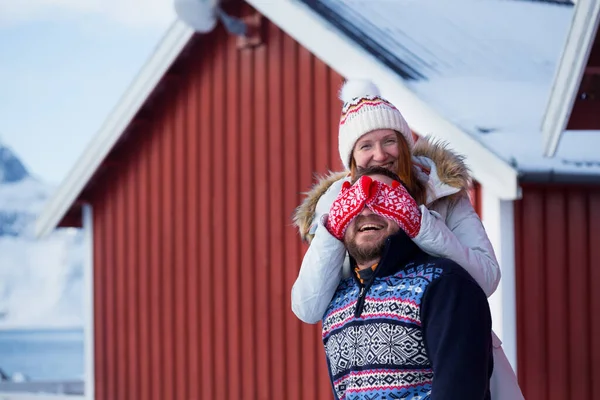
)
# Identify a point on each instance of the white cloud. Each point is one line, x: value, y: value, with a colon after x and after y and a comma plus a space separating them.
x: 136, y: 13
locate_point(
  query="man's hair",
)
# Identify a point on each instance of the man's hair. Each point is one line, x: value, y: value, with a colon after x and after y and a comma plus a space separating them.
x: 376, y: 170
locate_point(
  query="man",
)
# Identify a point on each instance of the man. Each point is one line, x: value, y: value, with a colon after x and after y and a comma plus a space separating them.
x: 407, y: 325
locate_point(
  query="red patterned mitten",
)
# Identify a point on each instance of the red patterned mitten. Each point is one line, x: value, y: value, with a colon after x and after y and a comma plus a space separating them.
x: 394, y: 202
x: 348, y: 204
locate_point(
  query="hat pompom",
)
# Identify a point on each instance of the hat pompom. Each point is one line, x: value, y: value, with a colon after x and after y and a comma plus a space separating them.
x: 358, y: 88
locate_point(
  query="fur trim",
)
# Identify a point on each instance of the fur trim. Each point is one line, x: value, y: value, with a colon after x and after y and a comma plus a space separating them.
x: 357, y: 89
x: 451, y: 167
x: 305, y: 212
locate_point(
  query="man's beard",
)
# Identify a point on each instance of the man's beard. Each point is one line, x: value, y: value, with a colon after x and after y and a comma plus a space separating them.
x: 366, y: 252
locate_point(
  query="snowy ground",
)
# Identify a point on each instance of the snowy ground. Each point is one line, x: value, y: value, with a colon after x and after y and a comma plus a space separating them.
x: 40, y: 280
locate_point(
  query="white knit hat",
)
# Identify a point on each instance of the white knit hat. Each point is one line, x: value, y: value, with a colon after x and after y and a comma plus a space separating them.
x: 364, y: 111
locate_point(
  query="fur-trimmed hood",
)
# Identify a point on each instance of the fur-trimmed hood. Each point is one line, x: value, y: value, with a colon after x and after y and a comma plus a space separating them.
x: 445, y: 172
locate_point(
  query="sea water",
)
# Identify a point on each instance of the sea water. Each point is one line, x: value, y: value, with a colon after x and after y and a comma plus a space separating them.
x: 42, y: 355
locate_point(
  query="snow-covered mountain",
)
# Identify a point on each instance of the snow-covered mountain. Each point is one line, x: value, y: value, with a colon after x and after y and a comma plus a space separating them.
x: 40, y: 279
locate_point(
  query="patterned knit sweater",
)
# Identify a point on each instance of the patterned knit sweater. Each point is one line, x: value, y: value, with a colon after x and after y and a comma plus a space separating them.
x: 419, y: 328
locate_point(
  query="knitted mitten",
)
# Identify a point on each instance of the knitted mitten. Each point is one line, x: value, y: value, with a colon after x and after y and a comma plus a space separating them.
x: 348, y: 204
x: 394, y: 202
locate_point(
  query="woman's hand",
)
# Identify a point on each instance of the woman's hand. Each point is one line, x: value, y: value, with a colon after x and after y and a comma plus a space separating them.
x: 348, y: 204
x: 395, y: 203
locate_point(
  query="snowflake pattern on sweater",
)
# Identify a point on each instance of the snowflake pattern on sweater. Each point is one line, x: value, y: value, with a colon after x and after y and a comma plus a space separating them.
x: 380, y: 355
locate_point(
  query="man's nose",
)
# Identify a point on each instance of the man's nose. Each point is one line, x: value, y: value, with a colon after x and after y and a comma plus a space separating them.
x: 366, y: 211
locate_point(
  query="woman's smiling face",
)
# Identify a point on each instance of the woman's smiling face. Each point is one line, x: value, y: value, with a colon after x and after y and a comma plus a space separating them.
x: 377, y: 148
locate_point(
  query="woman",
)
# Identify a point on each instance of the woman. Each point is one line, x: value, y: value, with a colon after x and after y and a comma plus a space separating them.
x: 373, y: 132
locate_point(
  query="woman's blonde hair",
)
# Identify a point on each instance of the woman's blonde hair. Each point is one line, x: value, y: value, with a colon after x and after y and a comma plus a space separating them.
x: 406, y: 171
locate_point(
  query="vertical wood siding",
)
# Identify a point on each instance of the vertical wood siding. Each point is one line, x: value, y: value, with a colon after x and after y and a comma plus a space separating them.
x: 195, y: 254
x: 475, y: 197
x: 558, y: 306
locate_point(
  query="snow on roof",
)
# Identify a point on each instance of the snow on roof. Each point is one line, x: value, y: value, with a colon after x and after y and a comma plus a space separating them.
x: 485, y: 65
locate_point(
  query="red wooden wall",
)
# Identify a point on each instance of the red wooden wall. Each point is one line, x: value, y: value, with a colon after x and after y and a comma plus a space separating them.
x: 195, y: 254
x: 475, y: 197
x: 558, y: 305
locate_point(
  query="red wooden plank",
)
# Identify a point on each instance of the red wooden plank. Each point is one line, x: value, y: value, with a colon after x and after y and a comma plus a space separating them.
x: 120, y: 317
x: 578, y: 299
x: 132, y: 272
x: 335, y: 82
x: 180, y: 265
x: 475, y: 197
x: 261, y: 224
x: 109, y: 298
x: 167, y: 210
x: 556, y: 305
x: 306, y: 146
x: 120, y: 335
x: 322, y: 97
x: 192, y: 235
x: 248, y: 355
x: 233, y: 204
x: 291, y: 189
x: 594, y: 278
x: 144, y: 298
x: 220, y: 247
x: 534, y: 299
x: 100, y: 290
x: 156, y: 295
x: 207, y: 262
x: 276, y: 181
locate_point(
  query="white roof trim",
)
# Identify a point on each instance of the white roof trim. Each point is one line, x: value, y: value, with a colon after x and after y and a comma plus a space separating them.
x: 350, y: 60
x: 132, y: 100
x: 569, y: 73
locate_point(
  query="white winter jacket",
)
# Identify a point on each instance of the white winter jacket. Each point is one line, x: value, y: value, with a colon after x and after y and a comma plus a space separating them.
x: 450, y: 228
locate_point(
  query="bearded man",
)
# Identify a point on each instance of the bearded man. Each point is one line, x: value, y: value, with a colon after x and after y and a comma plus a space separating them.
x: 405, y: 325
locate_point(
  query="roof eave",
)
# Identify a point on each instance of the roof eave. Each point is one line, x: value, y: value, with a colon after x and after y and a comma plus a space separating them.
x: 115, y: 125
x: 350, y: 60
x: 569, y: 73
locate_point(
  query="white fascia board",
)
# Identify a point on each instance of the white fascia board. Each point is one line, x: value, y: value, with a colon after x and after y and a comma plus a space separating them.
x: 498, y: 220
x: 89, y: 371
x: 352, y: 61
x: 569, y: 73
x: 115, y: 125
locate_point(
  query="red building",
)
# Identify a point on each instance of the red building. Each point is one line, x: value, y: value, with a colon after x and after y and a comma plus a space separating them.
x: 187, y: 191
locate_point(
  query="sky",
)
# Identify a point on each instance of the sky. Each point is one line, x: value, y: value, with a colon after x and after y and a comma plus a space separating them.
x: 64, y: 64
